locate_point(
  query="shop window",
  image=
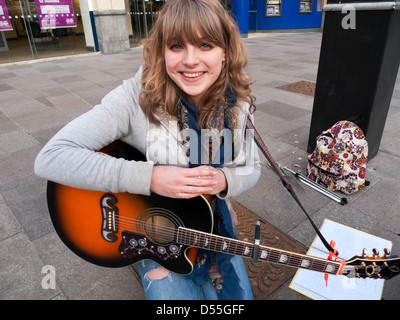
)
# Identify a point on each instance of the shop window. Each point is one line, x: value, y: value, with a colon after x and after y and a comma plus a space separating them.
x: 273, y: 8
x: 35, y: 29
x: 305, y: 6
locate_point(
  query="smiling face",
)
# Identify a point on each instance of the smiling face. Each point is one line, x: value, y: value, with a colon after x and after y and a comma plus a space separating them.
x: 194, y: 49
x: 194, y: 67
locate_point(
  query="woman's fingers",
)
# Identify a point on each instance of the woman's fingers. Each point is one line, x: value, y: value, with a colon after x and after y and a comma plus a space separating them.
x: 176, y: 182
x: 211, y: 178
x: 203, y: 172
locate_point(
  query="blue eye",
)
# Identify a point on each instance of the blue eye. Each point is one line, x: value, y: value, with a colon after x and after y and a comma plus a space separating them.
x: 206, y: 46
x: 175, y: 47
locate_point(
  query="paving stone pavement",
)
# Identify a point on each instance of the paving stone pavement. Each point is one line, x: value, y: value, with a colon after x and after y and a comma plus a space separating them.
x: 38, y: 98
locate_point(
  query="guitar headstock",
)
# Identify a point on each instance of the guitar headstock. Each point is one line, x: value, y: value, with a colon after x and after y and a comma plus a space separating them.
x: 375, y: 266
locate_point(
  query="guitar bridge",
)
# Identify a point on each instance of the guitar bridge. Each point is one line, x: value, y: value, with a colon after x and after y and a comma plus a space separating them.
x: 109, y: 226
x: 135, y: 245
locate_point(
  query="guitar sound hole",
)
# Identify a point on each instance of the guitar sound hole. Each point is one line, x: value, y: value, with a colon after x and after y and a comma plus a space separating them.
x: 160, y: 229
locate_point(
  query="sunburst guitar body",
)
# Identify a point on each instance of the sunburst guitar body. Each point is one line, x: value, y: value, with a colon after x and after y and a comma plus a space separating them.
x: 116, y: 230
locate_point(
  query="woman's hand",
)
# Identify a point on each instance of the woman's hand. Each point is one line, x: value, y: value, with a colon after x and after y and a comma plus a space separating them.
x: 185, y: 183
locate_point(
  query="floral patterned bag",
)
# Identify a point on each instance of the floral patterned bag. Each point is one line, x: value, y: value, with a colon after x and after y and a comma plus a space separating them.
x: 339, y: 159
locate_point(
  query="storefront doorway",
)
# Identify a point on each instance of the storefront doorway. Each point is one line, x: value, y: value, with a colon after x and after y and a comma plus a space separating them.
x: 142, y: 16
x: 28, y: 36
x: 35, y: 30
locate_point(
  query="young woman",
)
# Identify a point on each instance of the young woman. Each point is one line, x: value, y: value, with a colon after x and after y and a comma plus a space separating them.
x: 185, y: 110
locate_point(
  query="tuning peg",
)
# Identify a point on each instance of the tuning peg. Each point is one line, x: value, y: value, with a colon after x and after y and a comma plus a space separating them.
x: 364, y: 252
x: 387, y: 252
x: 375, y: 252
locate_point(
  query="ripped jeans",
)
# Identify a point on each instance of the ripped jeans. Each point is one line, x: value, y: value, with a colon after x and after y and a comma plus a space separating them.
x: 172, y: 286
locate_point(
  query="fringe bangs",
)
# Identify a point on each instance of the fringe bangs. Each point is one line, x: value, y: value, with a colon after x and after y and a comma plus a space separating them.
x: 200, y: 19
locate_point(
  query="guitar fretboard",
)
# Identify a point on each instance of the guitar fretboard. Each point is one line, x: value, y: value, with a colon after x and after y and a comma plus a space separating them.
x: 217, y: 243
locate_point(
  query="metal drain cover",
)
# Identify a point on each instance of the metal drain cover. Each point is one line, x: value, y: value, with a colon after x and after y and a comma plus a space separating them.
x: 265, y: 278
x: 303, y: 87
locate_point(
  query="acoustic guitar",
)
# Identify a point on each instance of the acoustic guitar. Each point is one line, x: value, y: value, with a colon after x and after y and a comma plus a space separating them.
x: 117, y: 230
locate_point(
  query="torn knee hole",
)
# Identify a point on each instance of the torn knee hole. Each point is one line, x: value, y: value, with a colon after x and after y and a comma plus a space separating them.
x: 157, y: 274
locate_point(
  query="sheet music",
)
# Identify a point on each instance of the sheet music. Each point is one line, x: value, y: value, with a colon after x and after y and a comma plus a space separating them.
x: 349, y: 242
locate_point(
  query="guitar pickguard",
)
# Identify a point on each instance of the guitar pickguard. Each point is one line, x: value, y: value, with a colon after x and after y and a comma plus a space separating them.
x: 134, y: 245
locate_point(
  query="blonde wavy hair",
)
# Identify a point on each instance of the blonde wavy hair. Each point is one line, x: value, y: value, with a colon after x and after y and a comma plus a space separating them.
x: 180, y: 21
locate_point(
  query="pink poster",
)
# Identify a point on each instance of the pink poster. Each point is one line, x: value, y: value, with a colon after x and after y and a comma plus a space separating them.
x: 55, y: 13
x: 5, y: 23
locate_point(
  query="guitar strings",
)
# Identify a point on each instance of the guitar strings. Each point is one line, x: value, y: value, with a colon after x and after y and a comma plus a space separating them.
x: 273, y: 255
x: 162, y: 230
x: 167, y: 232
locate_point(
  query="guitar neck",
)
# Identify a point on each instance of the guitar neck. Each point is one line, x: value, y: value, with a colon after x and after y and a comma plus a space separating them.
x: 194, y: 238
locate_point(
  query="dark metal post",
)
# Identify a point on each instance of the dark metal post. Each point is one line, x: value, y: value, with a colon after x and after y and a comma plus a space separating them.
x: 359, y: 61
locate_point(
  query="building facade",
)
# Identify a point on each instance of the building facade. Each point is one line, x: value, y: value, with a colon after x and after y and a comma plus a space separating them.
x: 36, y: 29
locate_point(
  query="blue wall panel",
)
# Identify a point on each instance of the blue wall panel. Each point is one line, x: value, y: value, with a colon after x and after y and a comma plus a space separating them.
x: 240, y: 11
x: 290, y: 17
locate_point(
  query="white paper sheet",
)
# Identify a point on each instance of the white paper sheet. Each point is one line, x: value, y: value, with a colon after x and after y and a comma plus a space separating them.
x: 349, y: 242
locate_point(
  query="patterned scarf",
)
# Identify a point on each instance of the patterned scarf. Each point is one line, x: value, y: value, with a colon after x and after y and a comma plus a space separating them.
x: 217, y: 266
x: 214, y: 127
